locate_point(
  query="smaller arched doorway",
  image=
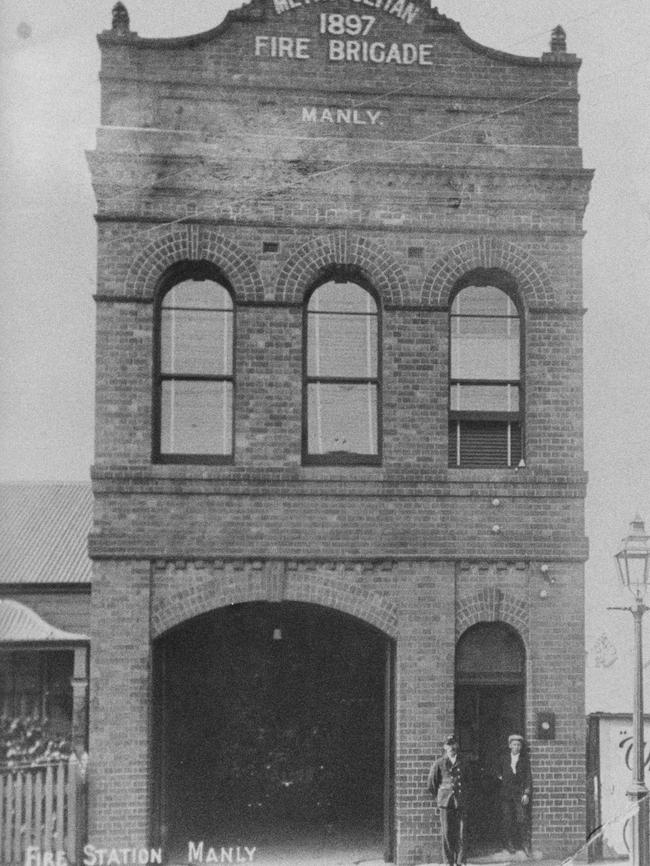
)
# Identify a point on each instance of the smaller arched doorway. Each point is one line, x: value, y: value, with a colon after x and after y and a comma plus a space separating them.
x: 489, y: 706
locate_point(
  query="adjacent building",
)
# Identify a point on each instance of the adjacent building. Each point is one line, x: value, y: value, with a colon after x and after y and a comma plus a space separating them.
x: 45, y: 576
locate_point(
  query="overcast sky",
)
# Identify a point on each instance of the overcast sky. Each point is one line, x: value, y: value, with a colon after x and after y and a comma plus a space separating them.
x: 49, y: 98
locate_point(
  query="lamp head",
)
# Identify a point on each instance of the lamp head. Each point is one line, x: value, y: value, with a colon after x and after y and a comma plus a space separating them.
x: 633, y: 559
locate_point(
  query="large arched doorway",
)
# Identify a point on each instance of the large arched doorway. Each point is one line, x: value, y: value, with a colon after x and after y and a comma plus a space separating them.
x: 273, y: 729
x: 490, y: 705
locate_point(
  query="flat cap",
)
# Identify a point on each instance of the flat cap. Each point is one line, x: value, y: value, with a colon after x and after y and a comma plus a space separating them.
x: 515, y: 738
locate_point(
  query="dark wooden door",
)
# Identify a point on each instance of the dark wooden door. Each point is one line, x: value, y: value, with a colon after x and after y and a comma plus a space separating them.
x: 486, y: 715
x: 490, y: 705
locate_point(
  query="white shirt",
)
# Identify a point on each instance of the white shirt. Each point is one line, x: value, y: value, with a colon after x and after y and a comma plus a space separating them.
x: 514, y: 760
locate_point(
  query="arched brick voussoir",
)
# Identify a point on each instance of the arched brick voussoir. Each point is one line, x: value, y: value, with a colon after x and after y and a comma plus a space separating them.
x: 187, y: 243
x: 308, y: 261
x: 492, y: 604
x: 484, y: 252
x: 199, y: 592
x: 337, y: 593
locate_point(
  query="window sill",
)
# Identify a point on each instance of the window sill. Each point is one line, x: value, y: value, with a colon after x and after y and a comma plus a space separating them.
x: 341, y: 459
x: 489, y: 473
x: 194, y: 460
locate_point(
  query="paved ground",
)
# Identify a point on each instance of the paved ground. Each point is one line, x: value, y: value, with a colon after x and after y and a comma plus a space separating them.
x: 357, y: 858
x: 306, y: 855
x: 358, y: 848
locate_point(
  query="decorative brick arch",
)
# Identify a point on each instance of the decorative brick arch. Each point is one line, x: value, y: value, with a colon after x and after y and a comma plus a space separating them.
x: 492, y: 604
x: 486, y: 252
x: 201, y: 591
x: 312, y: 258
x: 194, y: 243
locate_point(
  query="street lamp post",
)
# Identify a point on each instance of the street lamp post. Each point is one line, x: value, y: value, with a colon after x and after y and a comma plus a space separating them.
x: 633, y: 562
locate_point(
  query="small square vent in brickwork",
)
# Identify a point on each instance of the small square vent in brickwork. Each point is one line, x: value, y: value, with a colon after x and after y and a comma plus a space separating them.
x: 416, y: 252
x: 270, y: 246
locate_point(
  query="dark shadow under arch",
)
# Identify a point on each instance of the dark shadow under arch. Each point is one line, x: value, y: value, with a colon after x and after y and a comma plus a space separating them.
x: 271, y: 727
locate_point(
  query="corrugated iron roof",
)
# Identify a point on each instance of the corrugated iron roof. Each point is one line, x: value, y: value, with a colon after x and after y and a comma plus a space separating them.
x: 43, y: 532
x: 19, y: 624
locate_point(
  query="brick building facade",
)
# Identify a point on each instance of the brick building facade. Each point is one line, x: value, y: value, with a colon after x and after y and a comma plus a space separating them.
x: 350, y: 159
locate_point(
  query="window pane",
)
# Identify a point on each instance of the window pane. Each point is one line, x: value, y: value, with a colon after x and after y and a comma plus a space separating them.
x: 483, y: 348
x: 196, y: 342
x: 342, y: 418
x: 196, y: 418
x: 341, y: 298
x: 483, y: 301
x: 342, y: 346
x: 484, y: 398
x: 204, y: 294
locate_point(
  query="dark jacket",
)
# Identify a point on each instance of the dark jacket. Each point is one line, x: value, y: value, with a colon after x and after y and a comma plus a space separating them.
x: 515, y: 785
x: 447, y: 780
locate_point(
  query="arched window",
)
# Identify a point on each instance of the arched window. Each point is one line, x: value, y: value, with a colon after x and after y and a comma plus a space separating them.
x: 341, y: 375
x: 485, y: 385
x: 193, y: 420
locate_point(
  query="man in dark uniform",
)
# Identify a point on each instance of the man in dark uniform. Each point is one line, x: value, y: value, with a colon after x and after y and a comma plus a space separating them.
x: 516, y: 791
x: 448, y: 783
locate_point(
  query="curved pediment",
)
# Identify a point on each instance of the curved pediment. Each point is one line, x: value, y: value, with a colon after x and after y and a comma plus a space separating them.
x: 361, y: 68
x: 419, y: 22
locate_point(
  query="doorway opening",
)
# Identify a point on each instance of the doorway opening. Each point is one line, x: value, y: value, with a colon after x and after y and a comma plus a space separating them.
x: 273, y: 728
x: 489, y: 706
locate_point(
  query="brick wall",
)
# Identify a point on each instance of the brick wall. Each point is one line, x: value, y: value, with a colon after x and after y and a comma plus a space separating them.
x: 557, y: 681
x: 205, y: 155
x: 120, y: 699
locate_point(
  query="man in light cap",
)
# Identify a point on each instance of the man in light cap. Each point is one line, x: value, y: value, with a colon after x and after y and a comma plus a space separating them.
x: 516, y: 791
x: 448, y: 783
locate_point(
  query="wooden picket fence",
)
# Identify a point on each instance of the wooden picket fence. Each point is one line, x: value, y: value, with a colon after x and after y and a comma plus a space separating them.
x: 43, y: 807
